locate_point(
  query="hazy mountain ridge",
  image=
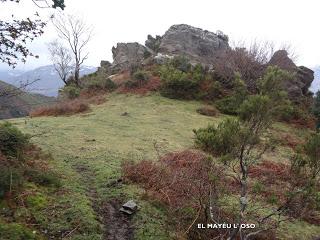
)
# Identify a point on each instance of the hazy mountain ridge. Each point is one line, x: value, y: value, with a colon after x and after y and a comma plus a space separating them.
x: 45, y: 79
x: 316, y: 82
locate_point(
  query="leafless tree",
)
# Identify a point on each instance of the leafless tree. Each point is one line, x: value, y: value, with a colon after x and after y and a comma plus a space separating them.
x: 62, y: 60
x: 77, y: 33
x: 249, y: 61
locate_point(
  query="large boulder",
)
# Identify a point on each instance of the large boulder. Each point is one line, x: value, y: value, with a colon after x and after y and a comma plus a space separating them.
x: 128, y: 54
x: 199, y: 46
x: 298, y: 87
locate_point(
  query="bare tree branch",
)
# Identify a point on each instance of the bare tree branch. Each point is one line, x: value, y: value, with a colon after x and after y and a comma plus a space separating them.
x: 62, y: 60
x: 77, y: 34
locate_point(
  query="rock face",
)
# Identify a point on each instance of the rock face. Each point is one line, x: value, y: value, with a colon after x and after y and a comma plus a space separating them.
x: 126, y: 54
x: 199, y: 46
x: 153, y: 43
x: 299, y: 86
x: 196, y: 44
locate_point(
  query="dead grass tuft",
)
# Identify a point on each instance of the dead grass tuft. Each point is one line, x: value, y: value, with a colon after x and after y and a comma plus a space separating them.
x: 65, y: 108
x: 208, y: 111
x: 180, y: 180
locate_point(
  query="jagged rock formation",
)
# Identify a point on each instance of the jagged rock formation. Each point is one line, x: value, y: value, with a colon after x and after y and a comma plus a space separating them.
x: 196, y: 44
x: 199, y: 46
x: 299, y: 86
x: 153, y: 43
x: 127, y: 54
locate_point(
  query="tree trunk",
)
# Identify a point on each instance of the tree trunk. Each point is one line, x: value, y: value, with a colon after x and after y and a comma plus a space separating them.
x: 77, y: 74
x: 243, y: 200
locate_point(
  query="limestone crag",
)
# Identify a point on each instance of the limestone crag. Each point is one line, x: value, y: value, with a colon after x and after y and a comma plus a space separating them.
x: 299, y: 86
x: 199, y: 46
x: 127, y: 54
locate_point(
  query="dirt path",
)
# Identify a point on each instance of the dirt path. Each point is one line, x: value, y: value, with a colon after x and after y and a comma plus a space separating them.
x: 118, y: 225
x: 115, y: 225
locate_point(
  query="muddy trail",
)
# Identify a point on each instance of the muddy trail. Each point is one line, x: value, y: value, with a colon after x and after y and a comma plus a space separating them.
x: 115, y: 225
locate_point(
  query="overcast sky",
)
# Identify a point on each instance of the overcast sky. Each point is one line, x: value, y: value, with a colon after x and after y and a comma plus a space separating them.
x: 281, y: 21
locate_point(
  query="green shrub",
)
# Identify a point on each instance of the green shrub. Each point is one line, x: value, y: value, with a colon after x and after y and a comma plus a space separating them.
x: 257, y: 187
x: 43, y: 178
x: 215, y: 91
x: 316, y: 110
x: 10, y: 179
x: 177, y: 84
x: 101, y: 84
x: 273, y: 199
x: 290, y: 112
x: 37, y: 201
x: 138, y: 79
x: 15, y: 231
x: 228, y: 105
x: 141, y: 75
x: 181, y: 63
x: 12, y: 140
x: 70, y: 91
x: 217, y: 140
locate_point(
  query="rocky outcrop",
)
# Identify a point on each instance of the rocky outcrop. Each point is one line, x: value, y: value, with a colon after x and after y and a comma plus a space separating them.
x: 153, y: 43
x: 297, y: 87
x: 199, y: 46
x: 281, y: 59
x: 127, y: 54
x: 204, y: 47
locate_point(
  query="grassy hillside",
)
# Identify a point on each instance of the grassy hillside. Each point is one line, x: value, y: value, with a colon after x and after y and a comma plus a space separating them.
x: 88, y: 151
x: 19, y: 103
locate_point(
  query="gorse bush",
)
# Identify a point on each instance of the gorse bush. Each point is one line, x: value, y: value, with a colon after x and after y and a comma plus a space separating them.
x: 99, y: 84
x: 12, y: 141
x: 316, y: 109
x: 230, y: 105
x: 181, y: 63
x: 15, y: 231
x: 42, y: 178
x: 18, y: 158
x: 180, y: 80
x: 70, y: 92
x: 139, y: 78
x: 177, y: 84
x: 217, y: 140
x: 11, y: 178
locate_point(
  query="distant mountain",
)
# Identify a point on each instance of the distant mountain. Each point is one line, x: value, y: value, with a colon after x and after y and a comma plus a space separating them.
x: 18, y: 103
x: 316, y: 82
x: 10, y: 74
x: 45, y: 79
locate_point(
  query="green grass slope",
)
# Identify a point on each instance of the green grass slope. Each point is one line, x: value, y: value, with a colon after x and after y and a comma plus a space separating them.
x: 88, y: 150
